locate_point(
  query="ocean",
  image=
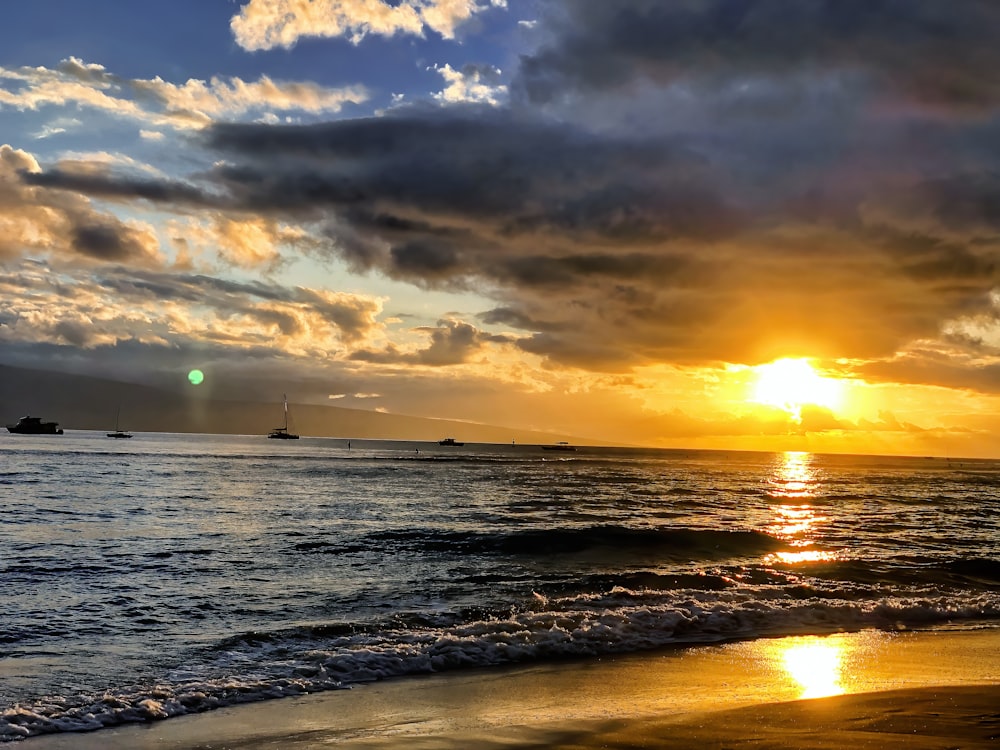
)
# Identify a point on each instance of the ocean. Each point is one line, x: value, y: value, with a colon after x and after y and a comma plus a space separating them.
x: 171, y: 574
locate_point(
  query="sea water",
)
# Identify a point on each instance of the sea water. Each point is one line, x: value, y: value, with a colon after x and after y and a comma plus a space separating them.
x: 172, y: 574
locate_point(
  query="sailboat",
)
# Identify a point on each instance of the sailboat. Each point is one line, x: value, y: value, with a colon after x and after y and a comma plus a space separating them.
x: 118, y: 433
x: 282, y: 433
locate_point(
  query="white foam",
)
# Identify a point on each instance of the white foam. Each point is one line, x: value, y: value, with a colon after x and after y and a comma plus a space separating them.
x: 572, y: 626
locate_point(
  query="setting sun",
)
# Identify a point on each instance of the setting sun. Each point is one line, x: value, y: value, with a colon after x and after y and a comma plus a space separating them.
x: 790, y: 384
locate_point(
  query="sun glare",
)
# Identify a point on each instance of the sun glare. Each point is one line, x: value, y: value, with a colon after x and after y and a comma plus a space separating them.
x: 790, y: 384
x: 815, y: 664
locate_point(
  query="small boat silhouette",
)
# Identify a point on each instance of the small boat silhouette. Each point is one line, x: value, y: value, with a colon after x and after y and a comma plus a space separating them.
x: 560, y: 446
x: 118, y: 433
x: 282, y: 433
x: 34, y: 426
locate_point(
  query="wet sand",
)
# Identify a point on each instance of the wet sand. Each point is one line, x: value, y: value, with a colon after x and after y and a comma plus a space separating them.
x: 937, y: 689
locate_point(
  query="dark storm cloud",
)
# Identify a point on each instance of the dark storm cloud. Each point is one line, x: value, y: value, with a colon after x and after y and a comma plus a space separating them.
x: 107, y: 185
x: 424, y: 260
x: 966, y: 203
x: 473, y: 165
x: 105, y: 242
x: 462, y: 198
x: 537, y: 270
x: 928, y: 50
x: 510, y: 317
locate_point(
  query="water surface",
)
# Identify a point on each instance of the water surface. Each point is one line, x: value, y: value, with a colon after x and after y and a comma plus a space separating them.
x: 171, y: 574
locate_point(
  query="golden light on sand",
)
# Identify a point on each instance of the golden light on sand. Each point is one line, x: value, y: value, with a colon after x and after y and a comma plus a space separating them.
x: 790, y: 384
x: 815, y: 665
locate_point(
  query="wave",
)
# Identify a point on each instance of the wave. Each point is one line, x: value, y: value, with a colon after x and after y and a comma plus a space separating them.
x: 654, y: 543
x: 971, y: 574
x: 259, y: 666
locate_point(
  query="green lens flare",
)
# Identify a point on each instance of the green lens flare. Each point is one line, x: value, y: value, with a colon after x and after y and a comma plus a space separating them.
x: 196, y: 376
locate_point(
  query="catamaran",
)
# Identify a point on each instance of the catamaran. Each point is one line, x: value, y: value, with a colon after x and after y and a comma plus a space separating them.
x: 282, y: 433
x: 118, y: 433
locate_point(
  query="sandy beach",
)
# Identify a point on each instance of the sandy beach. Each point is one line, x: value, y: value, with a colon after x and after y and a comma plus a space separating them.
x: 938, y: 689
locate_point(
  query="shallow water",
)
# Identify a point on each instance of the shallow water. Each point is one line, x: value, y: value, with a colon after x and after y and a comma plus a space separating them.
x: 177, y: 573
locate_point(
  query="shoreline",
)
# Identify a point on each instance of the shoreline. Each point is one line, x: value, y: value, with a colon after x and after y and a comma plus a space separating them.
x: 919, y: 689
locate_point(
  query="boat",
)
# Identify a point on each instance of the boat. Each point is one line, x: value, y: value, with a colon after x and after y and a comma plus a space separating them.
x: 119, y: 434
x: 560, y: 446
x: 449, y: 441
x: 282, y: 433
x: 34, y: 426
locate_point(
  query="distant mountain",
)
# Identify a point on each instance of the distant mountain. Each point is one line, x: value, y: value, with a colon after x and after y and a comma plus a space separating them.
x: 80, y: 402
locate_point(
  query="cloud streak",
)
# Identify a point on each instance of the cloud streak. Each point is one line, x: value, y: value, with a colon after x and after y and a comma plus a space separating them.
x: 155, y: 102
x: 165, y: 308
x: 266, y: 24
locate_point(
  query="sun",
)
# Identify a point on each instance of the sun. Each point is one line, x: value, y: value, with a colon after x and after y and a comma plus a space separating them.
x: 790, y: 384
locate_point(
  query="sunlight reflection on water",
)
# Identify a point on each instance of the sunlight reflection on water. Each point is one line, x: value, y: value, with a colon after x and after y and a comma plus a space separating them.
x: 794, y: 476
x: 795, y: 520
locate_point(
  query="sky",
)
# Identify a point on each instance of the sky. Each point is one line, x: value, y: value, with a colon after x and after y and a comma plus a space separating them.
x: 737, y: 224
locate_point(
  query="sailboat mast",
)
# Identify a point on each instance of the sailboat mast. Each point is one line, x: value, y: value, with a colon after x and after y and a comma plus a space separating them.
x: 285, y: 399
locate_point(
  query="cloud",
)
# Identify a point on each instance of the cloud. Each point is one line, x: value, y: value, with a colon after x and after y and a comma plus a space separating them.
x: 94, y: 178
x: 62, y: 223
x: 155, y: 102
x: 116, y: 304
x: 685, y: 182
x: 266, y: 24
x: 617, y: 249
x: 453, y: 342
x: 942, y: 369
x: 479, y: 84
x: 448, y: 172
x: 105, y: 241
x: 240, y: 242
x: 652, y: 244
x: 917, y: 50
x: 57, y: 127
